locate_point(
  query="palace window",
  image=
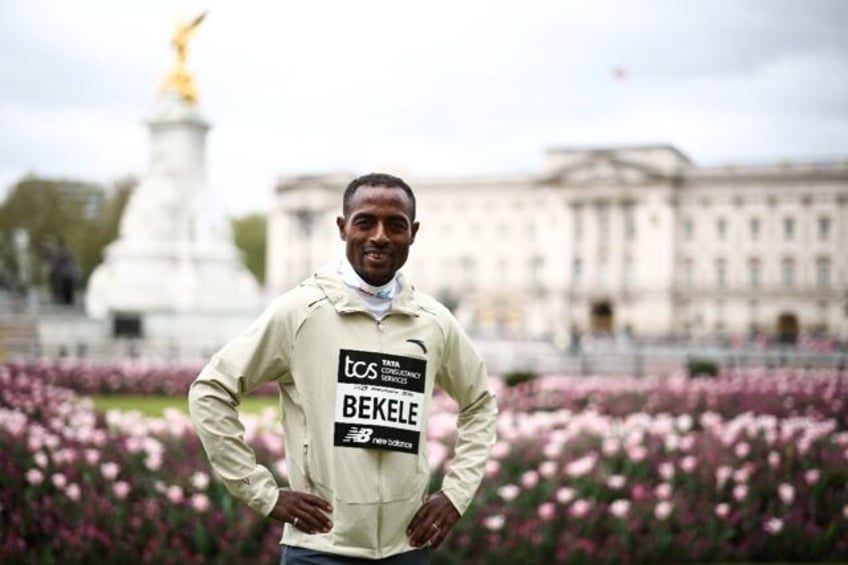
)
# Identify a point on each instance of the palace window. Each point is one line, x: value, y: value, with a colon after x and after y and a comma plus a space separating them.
x: 721, y: 229
x: 788, y: 229
x: 603, y: 223
x: 788, y: 273
x: 754, y: 269
x: 576, y: 272
x: 578, y: 222
x: 629, y: 223
x: 823, y: 273
x: 688, y: 273
x: 824, y: 228
x: 721, y: 273
x: 754, y: 225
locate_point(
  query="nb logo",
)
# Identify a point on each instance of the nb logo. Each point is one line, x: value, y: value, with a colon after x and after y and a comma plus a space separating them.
x: 358, y: 435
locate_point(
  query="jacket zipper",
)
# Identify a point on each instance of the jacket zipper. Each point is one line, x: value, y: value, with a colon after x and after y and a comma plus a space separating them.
x: 306, y: 472
x: 380, y: 468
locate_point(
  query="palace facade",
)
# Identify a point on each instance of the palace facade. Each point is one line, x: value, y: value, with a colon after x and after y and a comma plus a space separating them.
x: 636, y: 240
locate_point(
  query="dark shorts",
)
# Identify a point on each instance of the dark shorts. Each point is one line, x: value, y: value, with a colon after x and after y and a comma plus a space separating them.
x: 301, y: 556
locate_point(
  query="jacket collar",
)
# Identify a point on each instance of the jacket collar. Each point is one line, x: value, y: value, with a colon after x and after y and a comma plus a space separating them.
x: 345, y: 300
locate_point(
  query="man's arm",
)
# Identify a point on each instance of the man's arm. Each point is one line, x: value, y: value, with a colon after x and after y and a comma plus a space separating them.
x: 256, y: 356
x: 463, y: 376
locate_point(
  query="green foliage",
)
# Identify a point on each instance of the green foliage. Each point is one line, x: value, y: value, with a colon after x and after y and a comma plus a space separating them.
x: 702, y: 368
x: 154, y: 406
x: 44, y: 211
x: 519, y: 376
x: 251, y: 238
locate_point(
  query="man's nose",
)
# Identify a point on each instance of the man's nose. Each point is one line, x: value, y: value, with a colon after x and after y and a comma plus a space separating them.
x: 379, y: 235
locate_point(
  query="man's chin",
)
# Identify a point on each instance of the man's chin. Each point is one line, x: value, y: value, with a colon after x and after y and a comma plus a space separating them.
x: 378, y: 278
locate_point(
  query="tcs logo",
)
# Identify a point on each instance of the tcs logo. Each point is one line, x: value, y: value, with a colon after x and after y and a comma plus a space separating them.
x: 360, y: 369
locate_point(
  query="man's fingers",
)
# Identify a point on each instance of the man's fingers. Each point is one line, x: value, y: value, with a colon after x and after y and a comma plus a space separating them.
x: 304, y: 511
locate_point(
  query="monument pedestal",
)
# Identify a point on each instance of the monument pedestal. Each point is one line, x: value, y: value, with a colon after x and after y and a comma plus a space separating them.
x: 174, y: 275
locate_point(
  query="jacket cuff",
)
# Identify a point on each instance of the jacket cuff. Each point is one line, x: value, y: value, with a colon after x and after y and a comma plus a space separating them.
x: 460, y: 500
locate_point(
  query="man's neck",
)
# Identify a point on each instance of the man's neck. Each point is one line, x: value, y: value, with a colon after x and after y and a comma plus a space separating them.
x: 352, y: 279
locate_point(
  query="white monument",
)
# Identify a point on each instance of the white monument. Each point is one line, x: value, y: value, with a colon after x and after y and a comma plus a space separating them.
x: 174, y: 275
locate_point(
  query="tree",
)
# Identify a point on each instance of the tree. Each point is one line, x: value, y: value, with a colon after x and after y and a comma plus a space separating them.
x: 38, y: 213
x: 250, y: 233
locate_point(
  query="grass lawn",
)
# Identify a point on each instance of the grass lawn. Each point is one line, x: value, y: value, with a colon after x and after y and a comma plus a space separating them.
x: 155, y: 405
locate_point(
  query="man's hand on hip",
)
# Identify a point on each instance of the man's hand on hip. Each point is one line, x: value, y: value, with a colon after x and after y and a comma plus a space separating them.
x: 303, y: 511
x: 433, y: 521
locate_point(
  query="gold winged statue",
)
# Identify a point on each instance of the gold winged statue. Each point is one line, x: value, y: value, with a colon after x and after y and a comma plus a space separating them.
x: 179, y: 79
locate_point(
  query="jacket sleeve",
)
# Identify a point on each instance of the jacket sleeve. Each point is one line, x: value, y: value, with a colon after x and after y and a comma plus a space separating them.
x: 258, y: 355
x: 463, y: 376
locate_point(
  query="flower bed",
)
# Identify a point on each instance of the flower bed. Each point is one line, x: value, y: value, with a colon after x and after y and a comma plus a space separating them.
x: 747, y: 467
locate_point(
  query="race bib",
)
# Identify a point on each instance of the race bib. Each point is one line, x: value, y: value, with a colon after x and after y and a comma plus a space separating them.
x: 379, y: 401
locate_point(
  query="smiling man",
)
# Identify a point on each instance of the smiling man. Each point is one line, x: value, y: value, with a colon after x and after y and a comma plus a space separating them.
x: 357, y: 353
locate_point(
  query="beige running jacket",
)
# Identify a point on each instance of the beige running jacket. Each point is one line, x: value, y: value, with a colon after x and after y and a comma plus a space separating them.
x: 355, y: 399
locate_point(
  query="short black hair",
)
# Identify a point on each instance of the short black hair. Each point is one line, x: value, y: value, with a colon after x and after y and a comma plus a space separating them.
x: 376, y: 179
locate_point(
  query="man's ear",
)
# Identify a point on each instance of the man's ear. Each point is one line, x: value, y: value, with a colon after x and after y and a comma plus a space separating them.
x: 415, y: 226
x: 340, y: 222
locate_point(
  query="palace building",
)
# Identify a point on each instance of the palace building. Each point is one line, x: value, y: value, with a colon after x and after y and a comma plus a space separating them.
x: 638, y: 240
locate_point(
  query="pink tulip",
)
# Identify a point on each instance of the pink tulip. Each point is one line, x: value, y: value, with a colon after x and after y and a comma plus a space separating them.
x: 494, y: 523
x: 40, y: 459
x: 547, y: 510
x: 492, y: 468
x: 529, y: 479
x: 200, y: 502
x: 73, y: 492
x: 619, y: 508
x: 812, y: 476
x: 773, y: 526
x: 663, y: 491
x: 663, y: 509
x: 34, y: 477
x: 742, y: 449
x: 508, y: 492
x: 59, y: 480
x: 92, y: 456
x: 501, y: 449
x: 109, y: 470
x: 580, y: 508
x: 722, y: 474
x: 121, y: 489
x: 200, y: 480
x: 548, y: 469
x: 786, y: 493
x: 175, y: 494
x: 580, y: 467
x: 722, y: 510
x: 564, y: 495
x: 616, y: 481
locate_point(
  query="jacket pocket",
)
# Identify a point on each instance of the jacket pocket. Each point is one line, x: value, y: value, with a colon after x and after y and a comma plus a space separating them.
x: 356, y: 525
x: 404, y: 476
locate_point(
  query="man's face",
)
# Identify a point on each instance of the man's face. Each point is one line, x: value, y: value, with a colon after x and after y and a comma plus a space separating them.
x: 378, y: 232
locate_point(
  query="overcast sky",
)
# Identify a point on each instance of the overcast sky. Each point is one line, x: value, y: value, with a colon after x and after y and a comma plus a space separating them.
x: 436, y: 88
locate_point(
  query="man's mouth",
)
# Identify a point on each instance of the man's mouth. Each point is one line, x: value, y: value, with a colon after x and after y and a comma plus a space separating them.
x: 374, y: 255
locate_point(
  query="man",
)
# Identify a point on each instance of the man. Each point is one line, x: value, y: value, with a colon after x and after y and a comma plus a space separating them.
x: 356, y: 352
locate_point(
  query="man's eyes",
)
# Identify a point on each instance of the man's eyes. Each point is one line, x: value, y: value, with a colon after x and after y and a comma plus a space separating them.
x: 394, y: 226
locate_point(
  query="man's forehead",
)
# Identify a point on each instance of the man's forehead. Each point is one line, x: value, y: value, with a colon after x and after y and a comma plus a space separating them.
x: 368, y: 196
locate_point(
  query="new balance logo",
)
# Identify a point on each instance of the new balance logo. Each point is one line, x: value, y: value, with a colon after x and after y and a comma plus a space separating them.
x: 358, y: 435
